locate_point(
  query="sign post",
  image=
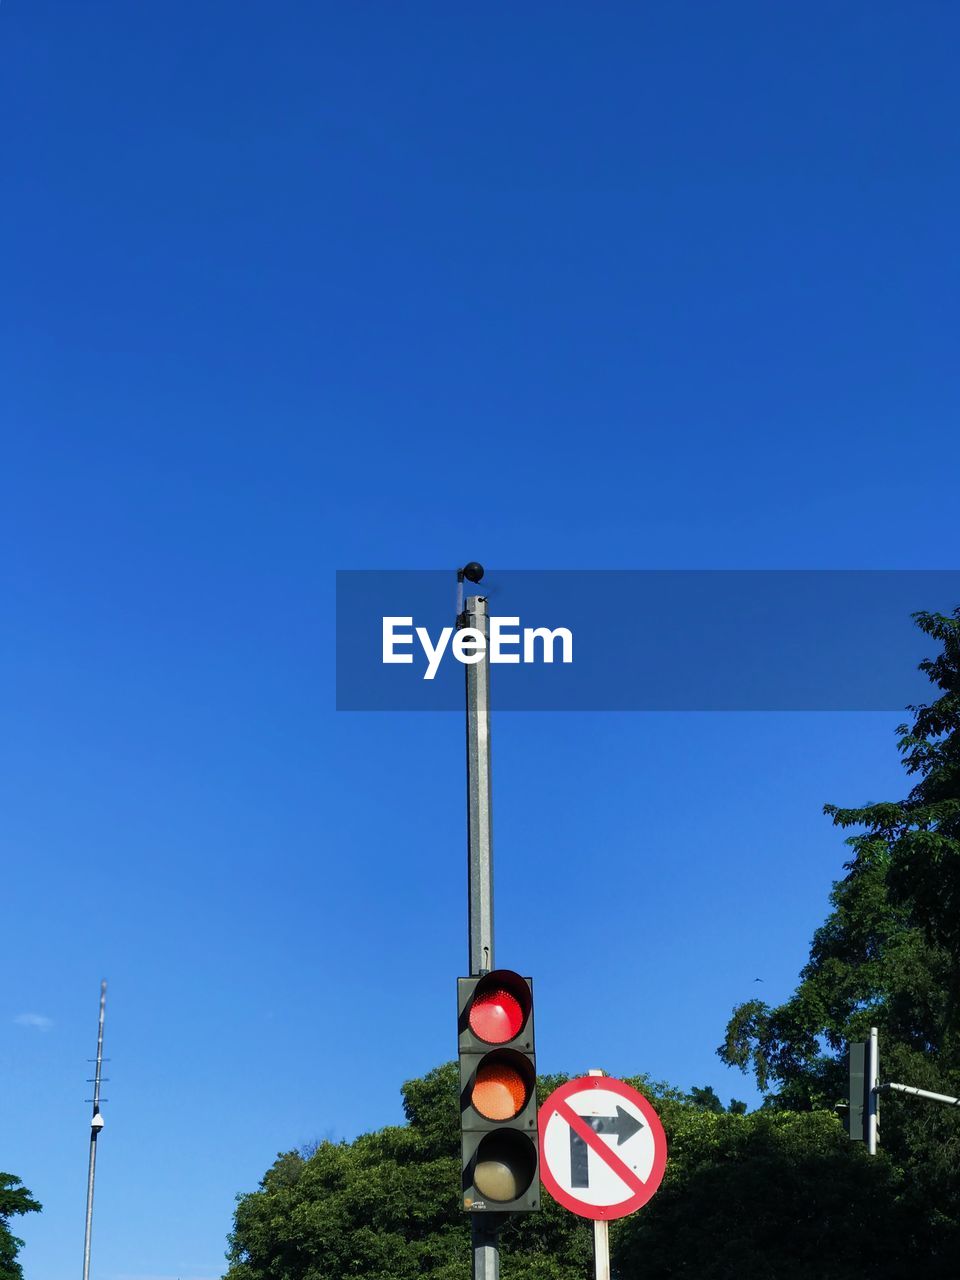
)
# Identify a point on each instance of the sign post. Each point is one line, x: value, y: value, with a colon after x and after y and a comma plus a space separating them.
x: 601, y: 1231
x: 601, y: 1249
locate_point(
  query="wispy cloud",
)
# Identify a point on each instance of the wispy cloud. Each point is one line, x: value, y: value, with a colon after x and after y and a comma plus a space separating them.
x: 36, y: 1020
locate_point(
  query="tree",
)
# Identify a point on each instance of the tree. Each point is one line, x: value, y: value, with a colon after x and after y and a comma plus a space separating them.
x: 15, y: 1200
x: 387, y: 1206
x: 888, y: 956
x: 706, y: 1098
x: 774, y: 1194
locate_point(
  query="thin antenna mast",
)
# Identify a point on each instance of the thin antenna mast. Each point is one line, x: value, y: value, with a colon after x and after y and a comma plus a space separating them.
x: 96, y: 1124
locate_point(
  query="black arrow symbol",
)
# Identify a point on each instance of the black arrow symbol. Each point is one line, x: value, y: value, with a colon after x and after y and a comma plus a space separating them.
x: 623, y: 1125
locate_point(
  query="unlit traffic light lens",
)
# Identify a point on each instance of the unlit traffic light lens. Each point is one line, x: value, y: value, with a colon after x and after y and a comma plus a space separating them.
x: 505, y: 1166
x: 500, y: 1091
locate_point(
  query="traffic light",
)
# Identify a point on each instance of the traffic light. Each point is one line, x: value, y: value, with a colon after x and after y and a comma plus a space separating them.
x: 498, y: 1094
x: 858, y: 1108
x: 863, y: 1074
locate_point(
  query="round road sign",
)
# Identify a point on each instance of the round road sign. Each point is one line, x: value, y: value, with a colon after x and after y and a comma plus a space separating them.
x: 602, y: 1147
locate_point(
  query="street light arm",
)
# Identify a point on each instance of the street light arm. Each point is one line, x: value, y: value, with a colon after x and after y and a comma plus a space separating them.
x: 923, y: 1093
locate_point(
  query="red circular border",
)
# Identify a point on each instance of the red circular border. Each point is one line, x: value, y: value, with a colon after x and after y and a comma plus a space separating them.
x: 601, y: 1212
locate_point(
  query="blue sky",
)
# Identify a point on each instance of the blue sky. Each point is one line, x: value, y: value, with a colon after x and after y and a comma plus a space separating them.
x: 301, y: 287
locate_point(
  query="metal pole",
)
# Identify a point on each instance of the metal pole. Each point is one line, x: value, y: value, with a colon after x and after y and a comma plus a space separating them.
x: 601, y: 1230
x: 485, y: 1240
x: 479, y: 819
x: 601, y: 1250
x: 91, y: 1169
x: 96, y: 1124
x: 484, y: 1228
x: 924, y: 1093
x: 873, y: 1081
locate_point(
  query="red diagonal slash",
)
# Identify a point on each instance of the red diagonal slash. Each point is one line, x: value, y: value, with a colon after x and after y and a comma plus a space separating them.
x: 583, y: 1130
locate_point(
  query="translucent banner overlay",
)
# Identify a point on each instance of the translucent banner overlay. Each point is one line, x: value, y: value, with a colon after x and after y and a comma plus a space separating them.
x: 648, y: 640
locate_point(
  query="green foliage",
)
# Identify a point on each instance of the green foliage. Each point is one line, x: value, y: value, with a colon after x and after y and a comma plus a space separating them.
x: 387, y: 1206
x: 706, y: 1098
x: 888, y: 956
x: 15, y: 1200
x: 783, y: 1195
x: 774, y: 1194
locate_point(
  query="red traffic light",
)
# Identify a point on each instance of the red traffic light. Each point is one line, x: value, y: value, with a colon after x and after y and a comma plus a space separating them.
x: 500, y: 1008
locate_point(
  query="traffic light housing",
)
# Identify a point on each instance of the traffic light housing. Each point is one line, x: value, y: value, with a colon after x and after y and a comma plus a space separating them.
x: 858, y: 1099
x: 498, y: 1094
x: 863, y: 1074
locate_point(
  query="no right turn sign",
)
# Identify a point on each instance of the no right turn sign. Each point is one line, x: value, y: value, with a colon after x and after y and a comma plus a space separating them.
x: 602, y: 1147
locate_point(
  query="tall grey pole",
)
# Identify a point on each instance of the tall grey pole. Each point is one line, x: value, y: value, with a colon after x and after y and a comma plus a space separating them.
x: 96, y: 1124
x: 479, y: 797
x: 873, y: 1077
x: 485, y: 1227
